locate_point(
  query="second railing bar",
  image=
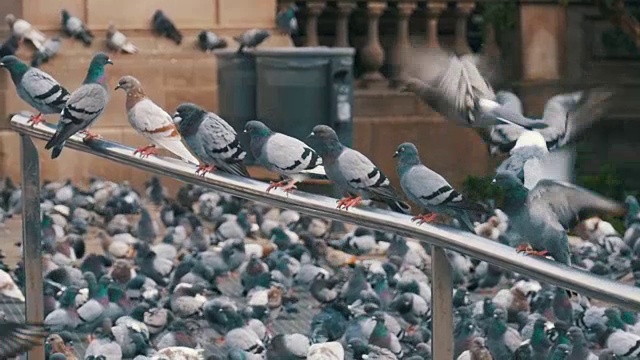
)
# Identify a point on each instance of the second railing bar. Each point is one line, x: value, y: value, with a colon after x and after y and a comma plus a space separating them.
x: 475, y: 246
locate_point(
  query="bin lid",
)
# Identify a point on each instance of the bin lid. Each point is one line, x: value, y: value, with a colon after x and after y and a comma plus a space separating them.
x: 322, y: 51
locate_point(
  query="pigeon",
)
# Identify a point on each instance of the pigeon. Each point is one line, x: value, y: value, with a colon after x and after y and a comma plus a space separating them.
x: 543, y: 215
x: 208, y: 40
x: 10, y: 46
x: 286, y: 20
x: 163, y: 26
x: 117, y: 41
x: 251, y: 38
x: 567, y: 115
x: 150, y: 121
x: 331, y: 350
x: 24, y: 30
x: 75, y: 28
x: 280, y: 153
x: 454, y: 87
x: 18, y: 338
x: 211, y: 139
x: 527, y: 159
x: 353, y: 172
x: 50, y: 48
x: 36, y: 88
x: 84, y: 106
x: 430, y: 190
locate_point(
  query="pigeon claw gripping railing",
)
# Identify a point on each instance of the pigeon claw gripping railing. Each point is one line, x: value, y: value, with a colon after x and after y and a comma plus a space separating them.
x: 439, y: 237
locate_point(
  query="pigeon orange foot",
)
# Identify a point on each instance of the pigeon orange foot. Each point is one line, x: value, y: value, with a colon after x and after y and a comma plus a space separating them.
x: 276, y: 184
x: 290, y: 186
x: 344, y: 201
x: 145, y: 151
x: 88, y: 136
x: 36, y: 119
x: 425, y: 218
x: 528, y: 250
x: 203, y: 169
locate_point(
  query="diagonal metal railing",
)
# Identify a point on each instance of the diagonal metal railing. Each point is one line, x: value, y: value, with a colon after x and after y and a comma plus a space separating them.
x: 440, y: 238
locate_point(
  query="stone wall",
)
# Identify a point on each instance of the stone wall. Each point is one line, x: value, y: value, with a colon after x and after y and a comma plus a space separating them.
x: 170, y: 74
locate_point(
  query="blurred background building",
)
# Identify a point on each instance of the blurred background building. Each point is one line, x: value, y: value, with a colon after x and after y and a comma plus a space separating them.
x: 544, y: 48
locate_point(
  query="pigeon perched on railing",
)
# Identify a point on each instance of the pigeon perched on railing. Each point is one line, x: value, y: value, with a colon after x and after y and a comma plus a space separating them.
x: 36, y: 88
x: 84, y: 106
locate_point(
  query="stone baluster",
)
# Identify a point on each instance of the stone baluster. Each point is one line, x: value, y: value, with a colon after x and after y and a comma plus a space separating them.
x: 490, y: 44
x: 372, y: 54
x: 314, y: 10
x: 401, y: 47
x: 342, y: 23
x: 434, y: 9
x: 463, y: 10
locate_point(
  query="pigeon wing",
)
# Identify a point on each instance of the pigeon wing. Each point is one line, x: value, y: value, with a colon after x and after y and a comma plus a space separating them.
x: 569, y: 204
x: 18, y: 338
x: 220, y: 139
x: 44, y: 89
x: 290, y: 155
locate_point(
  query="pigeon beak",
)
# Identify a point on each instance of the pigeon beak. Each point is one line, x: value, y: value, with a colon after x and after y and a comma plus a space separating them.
x: 109, y: 62
x: 2, y: 64
x: 117, y: 87
x: 311, y: 135
x: 244, y: 131
x: 395, y: 154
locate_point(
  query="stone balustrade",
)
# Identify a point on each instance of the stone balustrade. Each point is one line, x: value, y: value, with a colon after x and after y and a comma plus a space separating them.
x: 383, y: 31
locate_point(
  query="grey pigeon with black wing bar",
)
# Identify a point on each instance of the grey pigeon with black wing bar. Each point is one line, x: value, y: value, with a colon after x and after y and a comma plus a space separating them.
x: 211, y: 139
x: 280, y: 153
x: 430, y: 190
x: 84, y: 106
x: 353, y: 172
x: 36, y: 88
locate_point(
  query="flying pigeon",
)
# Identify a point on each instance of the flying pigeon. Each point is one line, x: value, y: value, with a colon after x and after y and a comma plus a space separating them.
x: 50, y: 49
x: 286, y: 19
x: 75, y: 28
x: 567, y: 115
x: 539, y: 219
x: 454, y: 87
x: 527, y: 158
x: 430, y: 190
x: 251, y: 38
x: 118, y: 41
x: 24, y: 30
x: 155, y: 124
x: 84, y: 107
x: 10, y: 45
x: 163, y: 26
x: 280, y: 153
x: 211, y: 139
x: 208, y: 40
x: 36, y: 88
x: 18, y: 338
x: 353, y: 172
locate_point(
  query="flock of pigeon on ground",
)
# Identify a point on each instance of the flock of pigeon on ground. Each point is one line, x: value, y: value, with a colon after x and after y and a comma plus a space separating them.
x: 147, y: 299
x: 73, y: 27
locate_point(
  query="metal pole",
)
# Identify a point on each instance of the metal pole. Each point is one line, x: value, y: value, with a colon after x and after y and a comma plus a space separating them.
x: 442, y: 305
x: 31, y: 242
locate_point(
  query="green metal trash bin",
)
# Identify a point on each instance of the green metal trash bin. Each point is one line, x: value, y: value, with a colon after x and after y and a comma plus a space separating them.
x: 236, y: 87
x: 299, y: 88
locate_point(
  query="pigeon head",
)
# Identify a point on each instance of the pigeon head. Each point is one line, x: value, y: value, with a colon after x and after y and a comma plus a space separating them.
x: 187, y: 118
x: 96, y: 74
x: 257, y: 129
x: 15, y: 67
x: 65, y: 15
x: 324, y: 141
x: 575, y: 334
x: 10, y: 19
x: 128, y: 83
x: 509, y: 182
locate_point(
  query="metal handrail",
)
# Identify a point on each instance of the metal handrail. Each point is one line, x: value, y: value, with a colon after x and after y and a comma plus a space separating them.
x: 439, y: 237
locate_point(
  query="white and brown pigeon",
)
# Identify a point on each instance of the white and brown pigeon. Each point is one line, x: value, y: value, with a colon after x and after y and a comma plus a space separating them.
x: 152, y: 122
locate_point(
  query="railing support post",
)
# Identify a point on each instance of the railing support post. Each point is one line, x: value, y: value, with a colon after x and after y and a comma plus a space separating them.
x: 31, y: 243
x: 441, y: 305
